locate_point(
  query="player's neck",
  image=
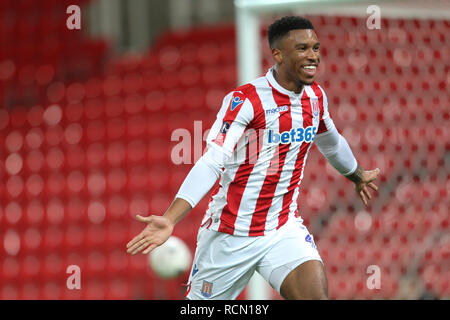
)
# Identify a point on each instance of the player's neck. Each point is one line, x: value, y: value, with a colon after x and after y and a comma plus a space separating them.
x: 284, y: 81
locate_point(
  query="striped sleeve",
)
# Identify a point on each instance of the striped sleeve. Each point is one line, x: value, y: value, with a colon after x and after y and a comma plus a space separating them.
x: 325, y: 123
x: 233, y: 118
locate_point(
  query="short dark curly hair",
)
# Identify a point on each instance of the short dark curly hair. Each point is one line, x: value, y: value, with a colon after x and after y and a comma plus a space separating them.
x: 282, y: 26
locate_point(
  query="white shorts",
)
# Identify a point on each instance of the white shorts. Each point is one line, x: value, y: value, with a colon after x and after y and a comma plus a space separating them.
x: 223, y: 264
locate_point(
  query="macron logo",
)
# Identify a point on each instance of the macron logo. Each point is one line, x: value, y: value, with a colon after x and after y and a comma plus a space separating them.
x: 277, y: 109
x: 236, y: 102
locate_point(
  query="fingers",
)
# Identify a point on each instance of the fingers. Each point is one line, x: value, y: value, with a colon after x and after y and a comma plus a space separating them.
x: 141, y: 246
x: 149, y: 249
x: 373, y: 186
x: 132, y: 242
x: 363, y: 198
x: 367, y: 193
x: 156, y: 229
x: 136, y: 243
x: 362, y: 188
x: 135, y: 240
x: 140, y: 236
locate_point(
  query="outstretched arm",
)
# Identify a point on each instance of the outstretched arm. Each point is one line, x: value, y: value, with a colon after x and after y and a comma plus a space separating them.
x: 159, y: 228
x: 234, y: 116
x: 198, y: 182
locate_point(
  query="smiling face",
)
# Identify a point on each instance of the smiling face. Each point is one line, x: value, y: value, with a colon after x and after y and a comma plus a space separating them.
x: 298, y: 56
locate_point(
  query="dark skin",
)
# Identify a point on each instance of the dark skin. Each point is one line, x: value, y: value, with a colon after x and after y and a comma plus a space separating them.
x: 299, y: 48
x: 297, y: 57
x: 292, y: 53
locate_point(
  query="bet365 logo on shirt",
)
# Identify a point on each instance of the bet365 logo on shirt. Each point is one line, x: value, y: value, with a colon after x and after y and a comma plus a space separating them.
x: 294, y: 135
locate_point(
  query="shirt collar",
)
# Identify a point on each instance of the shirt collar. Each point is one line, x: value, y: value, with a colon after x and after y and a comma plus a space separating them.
x: 278, y: 87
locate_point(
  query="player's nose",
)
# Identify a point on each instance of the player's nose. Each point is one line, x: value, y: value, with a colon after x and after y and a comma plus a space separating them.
x: 312, y: 56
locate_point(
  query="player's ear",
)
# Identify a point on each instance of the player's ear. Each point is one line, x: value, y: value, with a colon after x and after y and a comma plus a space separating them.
x: 277, y: 55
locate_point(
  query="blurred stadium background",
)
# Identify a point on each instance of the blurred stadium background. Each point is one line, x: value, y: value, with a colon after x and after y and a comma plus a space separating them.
x: 86, y: 119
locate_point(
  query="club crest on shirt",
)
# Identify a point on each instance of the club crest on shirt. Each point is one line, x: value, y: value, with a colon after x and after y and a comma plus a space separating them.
x: 315, y: 107
x: 206, y: 289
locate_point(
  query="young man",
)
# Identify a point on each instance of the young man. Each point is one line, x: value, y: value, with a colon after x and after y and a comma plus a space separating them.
x: 252, y: 222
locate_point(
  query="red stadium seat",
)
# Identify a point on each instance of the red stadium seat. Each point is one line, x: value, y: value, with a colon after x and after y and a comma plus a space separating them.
x: 94, y: 289
x: 74, y: 237
x: 118, y: 289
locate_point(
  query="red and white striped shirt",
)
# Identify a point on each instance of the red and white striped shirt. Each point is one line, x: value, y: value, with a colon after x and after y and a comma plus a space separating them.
x: 266, y: 132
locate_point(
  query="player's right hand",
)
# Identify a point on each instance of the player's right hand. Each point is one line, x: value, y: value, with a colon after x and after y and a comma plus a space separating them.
x: 157, y: 231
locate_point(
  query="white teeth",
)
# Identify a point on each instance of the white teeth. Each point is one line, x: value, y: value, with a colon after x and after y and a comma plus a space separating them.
x: 309, y: 67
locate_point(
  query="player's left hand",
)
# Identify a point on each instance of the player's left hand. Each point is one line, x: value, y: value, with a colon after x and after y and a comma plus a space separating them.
x: 362, y: 187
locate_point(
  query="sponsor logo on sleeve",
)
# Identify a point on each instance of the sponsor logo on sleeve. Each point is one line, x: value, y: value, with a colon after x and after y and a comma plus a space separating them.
x: 236, y: 100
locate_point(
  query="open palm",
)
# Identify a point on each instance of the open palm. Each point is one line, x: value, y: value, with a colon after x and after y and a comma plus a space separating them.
x: 157, y: 231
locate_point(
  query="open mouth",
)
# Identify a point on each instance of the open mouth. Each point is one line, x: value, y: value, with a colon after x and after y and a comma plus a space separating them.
x: 310, y: 70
